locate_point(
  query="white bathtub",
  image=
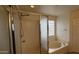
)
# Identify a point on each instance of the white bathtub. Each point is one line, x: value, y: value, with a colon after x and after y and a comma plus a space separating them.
x: 59, y: 50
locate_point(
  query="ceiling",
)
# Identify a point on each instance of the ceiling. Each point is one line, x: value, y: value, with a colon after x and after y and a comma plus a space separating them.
x: 49, y: 9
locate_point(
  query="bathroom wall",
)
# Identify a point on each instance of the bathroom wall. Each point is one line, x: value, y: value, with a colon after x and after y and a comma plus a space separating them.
x: 62, y: 27
x: 74, y: 31
x: 30, y: 29
x: 4, y: 31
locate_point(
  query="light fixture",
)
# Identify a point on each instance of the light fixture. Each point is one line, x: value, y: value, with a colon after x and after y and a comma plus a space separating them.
x: 32, y: 6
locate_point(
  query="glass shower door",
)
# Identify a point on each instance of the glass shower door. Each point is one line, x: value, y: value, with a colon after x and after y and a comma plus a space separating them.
x: 44, y: 34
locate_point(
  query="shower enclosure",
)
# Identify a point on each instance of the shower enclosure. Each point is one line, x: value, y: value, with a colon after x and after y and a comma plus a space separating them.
x: 29, y: 32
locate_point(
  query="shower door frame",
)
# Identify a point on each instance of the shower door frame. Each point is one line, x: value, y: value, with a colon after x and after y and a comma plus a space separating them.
x: 9, y: 10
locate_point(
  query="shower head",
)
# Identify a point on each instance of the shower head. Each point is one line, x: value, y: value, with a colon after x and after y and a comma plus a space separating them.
x: 25, y: 14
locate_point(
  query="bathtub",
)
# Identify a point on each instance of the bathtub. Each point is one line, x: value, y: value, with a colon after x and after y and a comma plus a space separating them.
x: 59, y: 49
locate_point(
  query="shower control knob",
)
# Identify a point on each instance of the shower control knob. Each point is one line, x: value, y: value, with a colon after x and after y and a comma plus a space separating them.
x: 23, y: 41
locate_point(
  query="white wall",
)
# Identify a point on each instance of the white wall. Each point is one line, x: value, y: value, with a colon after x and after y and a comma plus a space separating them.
x: 62, y: 28
x: 4, y: 31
